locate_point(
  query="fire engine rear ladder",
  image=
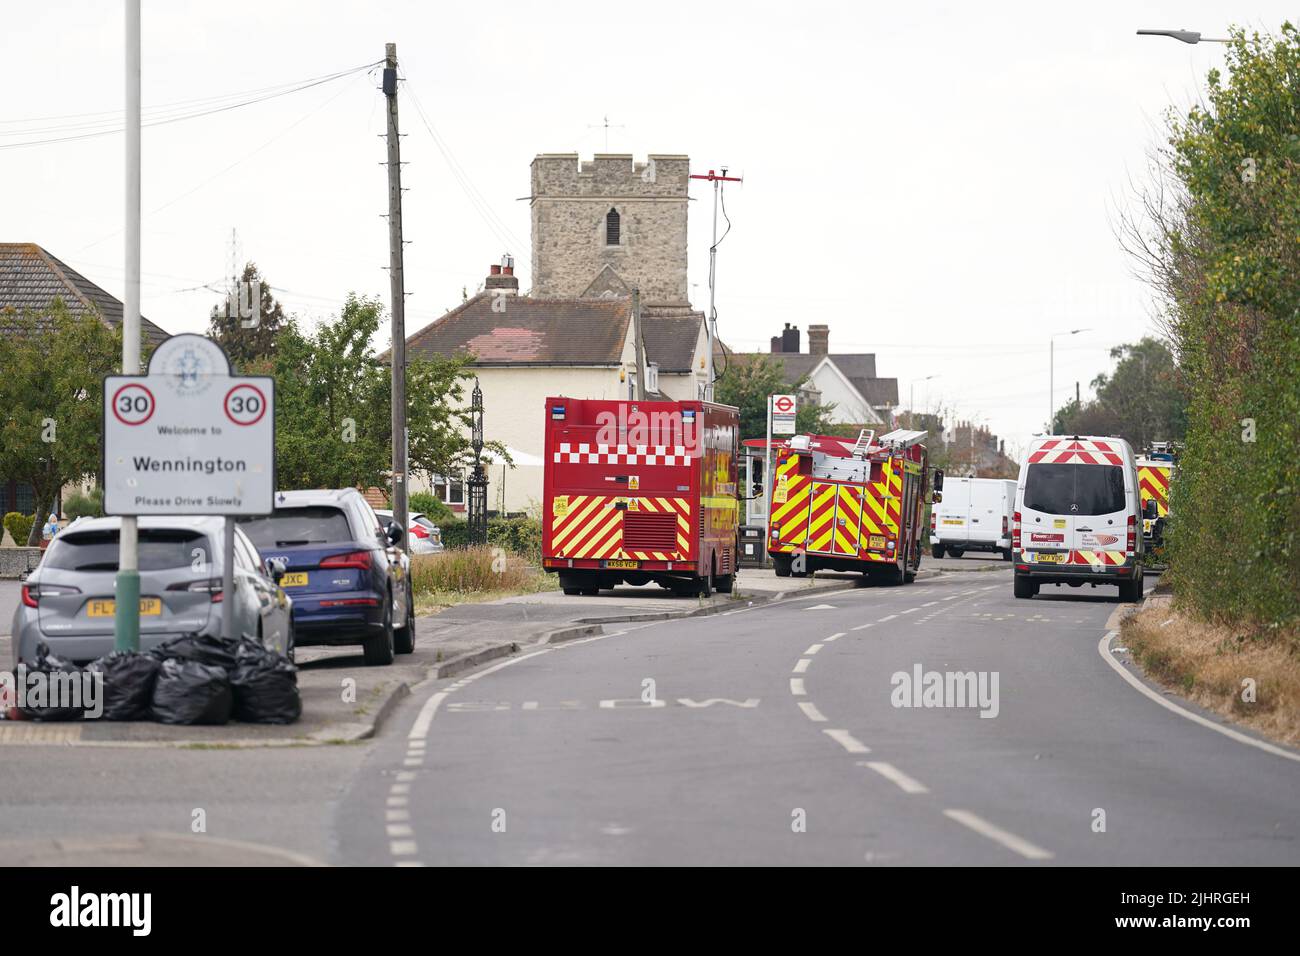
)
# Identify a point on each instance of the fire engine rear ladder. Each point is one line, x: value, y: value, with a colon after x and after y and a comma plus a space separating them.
x: 866, y: 438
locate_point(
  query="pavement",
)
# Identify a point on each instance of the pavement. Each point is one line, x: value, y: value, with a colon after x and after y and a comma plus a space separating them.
x: 764, y: 732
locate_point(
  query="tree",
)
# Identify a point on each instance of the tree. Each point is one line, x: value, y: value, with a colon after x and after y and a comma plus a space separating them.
x: 747, y: 385
x: 242, y: 343
x: 333, y: 418
x: 1216, y: 236
x: 51, y: 392
x: 1141, y: 400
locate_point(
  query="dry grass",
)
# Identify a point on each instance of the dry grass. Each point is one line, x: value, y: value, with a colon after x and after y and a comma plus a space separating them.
x: 464, y: 575
x: 1208, y: 663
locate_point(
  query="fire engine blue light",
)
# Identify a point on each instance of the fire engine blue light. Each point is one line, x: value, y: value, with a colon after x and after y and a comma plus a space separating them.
x: 688, y: 414
x: 557, y: 411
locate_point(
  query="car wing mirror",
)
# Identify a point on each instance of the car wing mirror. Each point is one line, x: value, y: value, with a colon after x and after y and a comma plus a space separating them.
x: 937, y: 497
x: 393, y: 533
x: 276, y: 568
x: 938, y: 479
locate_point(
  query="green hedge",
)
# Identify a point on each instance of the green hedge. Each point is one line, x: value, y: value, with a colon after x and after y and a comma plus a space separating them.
x: 520, y: 535
x: 19, y: 527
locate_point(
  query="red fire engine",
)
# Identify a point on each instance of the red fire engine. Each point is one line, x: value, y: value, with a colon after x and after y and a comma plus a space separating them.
x: 640, y: 491
x: 842, y: 505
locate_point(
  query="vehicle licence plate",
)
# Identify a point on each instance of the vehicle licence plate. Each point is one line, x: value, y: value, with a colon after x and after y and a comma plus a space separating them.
x: 620, y: 563
x: 295, y: 580
x: 952, y: 521
x: 149, y: 607
x: 876, y: 542
x: 1050, y: 559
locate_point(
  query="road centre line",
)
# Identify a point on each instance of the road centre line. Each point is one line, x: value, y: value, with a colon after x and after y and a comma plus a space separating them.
x: 910, y: 610
x: 847, y: 741
x: 802, y: 666
x: 813, y: 649
x: 998, y: 835
x: 796, y: 687
x: 811, y: 712
x: 888, y: 617
x: 835, y: 637
x: 894, y: 775
x: 863, y: 626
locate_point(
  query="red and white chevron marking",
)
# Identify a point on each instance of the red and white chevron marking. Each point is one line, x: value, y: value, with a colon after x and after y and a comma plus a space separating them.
x: 1076, y: 451
x: 600, y: 454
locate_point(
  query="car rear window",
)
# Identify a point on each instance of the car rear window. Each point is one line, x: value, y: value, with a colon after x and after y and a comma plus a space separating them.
x: 1093, y: 489
x: 316, y: 524
x: 160, y: 549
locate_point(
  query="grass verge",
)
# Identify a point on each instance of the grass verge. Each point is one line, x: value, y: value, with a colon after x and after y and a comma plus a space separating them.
x: 468, y: 575
x: 1214, y: 665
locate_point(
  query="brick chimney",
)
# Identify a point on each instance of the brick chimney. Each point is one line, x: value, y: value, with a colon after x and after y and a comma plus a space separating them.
x: 502, y: 278
x: 818, y: 339
x: 790, y: 338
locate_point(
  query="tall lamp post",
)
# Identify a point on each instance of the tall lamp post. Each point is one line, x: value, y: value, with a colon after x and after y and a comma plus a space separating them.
x: 1186, y: 36
x: 478, y: 480
x: 1051, y: 375
x: 911, y: 397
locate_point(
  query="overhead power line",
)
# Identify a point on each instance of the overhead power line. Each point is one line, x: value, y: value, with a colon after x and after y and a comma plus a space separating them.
x: 166, y: 115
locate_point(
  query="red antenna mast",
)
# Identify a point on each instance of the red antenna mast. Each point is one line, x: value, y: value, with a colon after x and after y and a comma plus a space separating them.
x: 711, y: 322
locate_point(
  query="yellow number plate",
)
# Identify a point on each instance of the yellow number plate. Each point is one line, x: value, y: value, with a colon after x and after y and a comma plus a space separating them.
x: 1050, y: 559
x: 876, y: 542
x: 295, y: 580
x: 149, y: 607
x: 953, y: 521
x: 619, y: 563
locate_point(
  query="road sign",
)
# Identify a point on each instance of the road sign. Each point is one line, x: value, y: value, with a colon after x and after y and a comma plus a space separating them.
x: 783, y: 410
x: 189, y: 437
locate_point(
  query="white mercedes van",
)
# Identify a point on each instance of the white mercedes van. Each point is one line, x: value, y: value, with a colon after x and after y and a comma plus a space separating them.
x: 1078, y: 517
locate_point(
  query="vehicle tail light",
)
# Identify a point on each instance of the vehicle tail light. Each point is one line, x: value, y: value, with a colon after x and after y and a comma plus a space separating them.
x: 419, y: 531
x: 1004, y: 524
x: 351, y: 602
x: 1132, y: 534
x: 32, y: 593
x: 1015, y: 531
x: 934, y: 516
x: 210, y: 586
x: 352, y: 559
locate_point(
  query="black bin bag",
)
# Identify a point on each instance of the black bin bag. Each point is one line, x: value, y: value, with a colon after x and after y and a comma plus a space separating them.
x: 265, y: 686
x: 50, y: 694
x: 202, y: 648
x: 126, y: 683
x: 187, y: 692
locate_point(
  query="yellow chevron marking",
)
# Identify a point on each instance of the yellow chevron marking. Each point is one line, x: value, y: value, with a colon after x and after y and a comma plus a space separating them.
x: 598, y: 536
x: 576, y: 523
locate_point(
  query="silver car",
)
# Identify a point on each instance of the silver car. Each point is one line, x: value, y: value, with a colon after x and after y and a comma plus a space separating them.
x: 67, y: 602
x: 424, y: 536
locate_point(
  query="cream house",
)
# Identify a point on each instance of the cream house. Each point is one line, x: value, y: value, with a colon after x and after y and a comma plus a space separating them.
x: 526, y: 348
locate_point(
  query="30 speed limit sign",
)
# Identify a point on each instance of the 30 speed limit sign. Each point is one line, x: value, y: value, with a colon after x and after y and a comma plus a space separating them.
x: 189, y: 437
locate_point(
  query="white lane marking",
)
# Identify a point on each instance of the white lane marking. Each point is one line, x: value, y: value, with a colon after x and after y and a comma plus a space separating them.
x: 813, y: 649
x: 802, y: 666
x: 926, y: 604
x: 796, y: 687
x: 412, y: 761
x: 421, y: 728
x: 998, y: 835
x: 911, y: 609
x: 894, y: 775
x: 811, y: 712
x: 405, y: 776
x: 835, y: 637
x: 408, y: 863
x: 887, y: 617
x: 848, y: 741
x: 821, y: 607
x: 399, y: 788
x: 991, y: 587
x: 398, y: 830
x: 398, y: 801
x: 1236, y: 735
x: 416, y: 744
x: 530, y: 705
x: 951, y: 597
x: 402, y: 847
x: 863, y: 626
x: 397, y: 816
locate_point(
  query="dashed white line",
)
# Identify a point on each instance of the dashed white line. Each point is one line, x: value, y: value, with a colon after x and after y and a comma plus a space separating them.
x: 398, y: 801
x: 397, y: 816
x: 796, y: 687
x: 861, y: 627
x: 911, y: 609
x: 894, y: 775
x: 811, y: 712
x: 998, y: 835
x: 802, y: 666
x: 399, y: 830
x: 887, y: 617
x: 847, y: 741
x: 402, y: 847
x: 834, y: 637
x: 813, y: 649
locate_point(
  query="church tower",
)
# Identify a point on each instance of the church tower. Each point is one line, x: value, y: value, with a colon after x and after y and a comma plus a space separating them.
x: 604, y: 227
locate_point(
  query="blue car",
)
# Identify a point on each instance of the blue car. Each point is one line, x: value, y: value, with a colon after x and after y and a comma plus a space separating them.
x: 346, y: 572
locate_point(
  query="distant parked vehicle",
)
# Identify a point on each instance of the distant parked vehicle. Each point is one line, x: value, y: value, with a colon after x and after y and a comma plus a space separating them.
x: 68, y: 601
x: 974, y: 515
x: 423, y: 535
x: 349, y: 580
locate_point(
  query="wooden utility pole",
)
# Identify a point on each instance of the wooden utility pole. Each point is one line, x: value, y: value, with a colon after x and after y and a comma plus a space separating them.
x: 398, y: 293
x: 639, y: 391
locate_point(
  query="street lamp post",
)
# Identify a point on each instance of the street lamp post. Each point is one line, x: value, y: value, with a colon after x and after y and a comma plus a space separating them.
x: 1051, y: 375
x: 478, y: 479
x: 911, y: 396
x: 1186, y: 36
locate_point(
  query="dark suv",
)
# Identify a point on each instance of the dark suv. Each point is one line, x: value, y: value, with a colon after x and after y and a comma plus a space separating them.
x: 348, y: 577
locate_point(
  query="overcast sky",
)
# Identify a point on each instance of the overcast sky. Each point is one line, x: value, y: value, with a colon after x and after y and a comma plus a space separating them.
x: 937, y: 183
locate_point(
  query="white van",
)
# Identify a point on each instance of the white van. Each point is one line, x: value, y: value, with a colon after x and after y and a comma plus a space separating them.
x: 974, y: 515
x: 1078, y: 517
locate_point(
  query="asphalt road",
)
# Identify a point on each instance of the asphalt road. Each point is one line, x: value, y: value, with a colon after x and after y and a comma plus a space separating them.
x: 773, y: 738
x: 767, y: 718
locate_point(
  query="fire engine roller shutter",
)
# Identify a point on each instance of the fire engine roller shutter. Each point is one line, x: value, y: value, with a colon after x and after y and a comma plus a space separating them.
x: 821, y: 522
x: 848, y: 520
x: 790, y: 516
x: 1154, y: 485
